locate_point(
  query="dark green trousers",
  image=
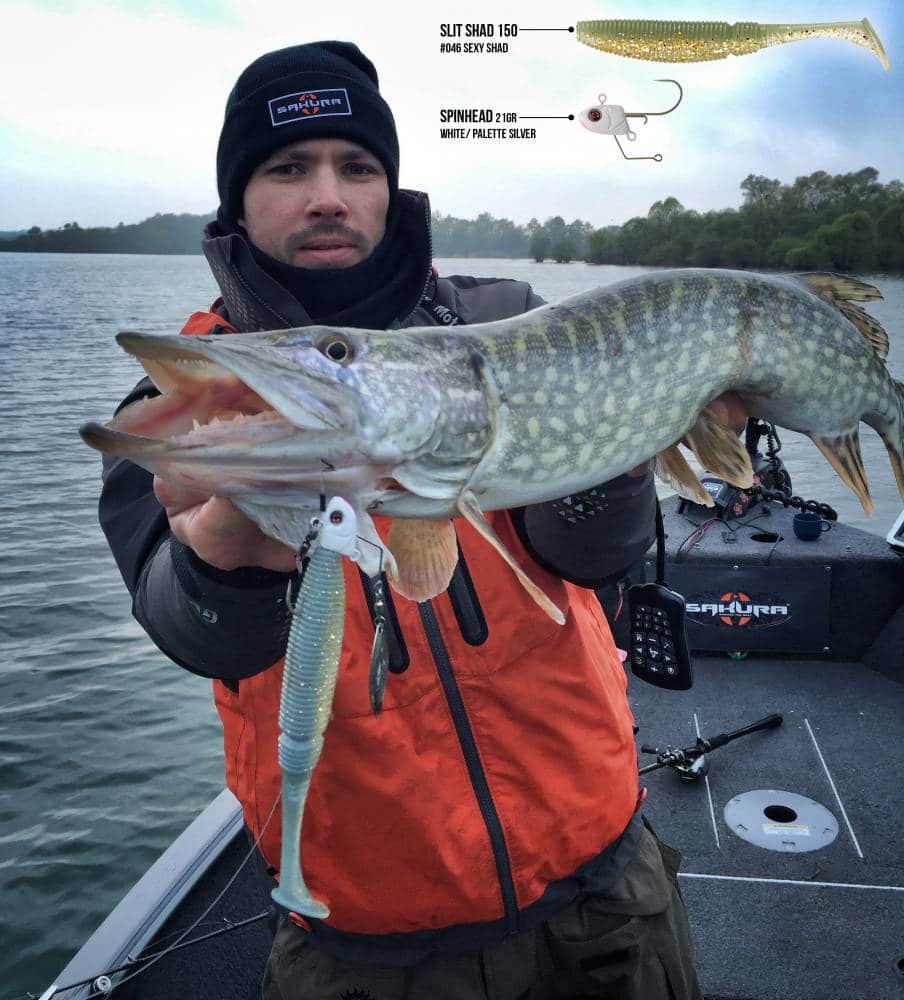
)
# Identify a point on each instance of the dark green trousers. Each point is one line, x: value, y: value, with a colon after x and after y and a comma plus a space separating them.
x: 631, y: 942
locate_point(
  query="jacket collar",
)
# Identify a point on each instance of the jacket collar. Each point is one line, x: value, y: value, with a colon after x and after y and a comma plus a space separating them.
x: 256, y: 301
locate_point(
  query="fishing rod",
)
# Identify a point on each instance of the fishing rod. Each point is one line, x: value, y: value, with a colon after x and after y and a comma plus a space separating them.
x: 101, y: 982
x: 690, y: 763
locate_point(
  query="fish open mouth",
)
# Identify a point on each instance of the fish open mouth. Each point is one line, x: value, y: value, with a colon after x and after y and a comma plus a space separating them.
x: 217, y: 401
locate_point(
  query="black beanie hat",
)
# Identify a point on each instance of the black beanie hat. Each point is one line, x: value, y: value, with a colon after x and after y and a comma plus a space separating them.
x: 323, y: 90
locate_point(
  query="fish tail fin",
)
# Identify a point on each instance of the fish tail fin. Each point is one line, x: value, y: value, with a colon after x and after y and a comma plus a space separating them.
x: 891, y: 430
x: 892, y: 434
x: 843, y: 453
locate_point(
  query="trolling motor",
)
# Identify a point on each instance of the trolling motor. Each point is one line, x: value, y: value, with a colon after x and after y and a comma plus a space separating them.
x: 769, y: 470
x: 690, y: 763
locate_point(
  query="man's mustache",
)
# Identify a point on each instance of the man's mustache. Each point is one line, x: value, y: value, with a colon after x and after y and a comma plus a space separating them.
x: 326, y: 231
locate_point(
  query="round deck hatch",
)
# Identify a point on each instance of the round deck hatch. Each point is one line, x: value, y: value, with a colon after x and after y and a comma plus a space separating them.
x: 780, y: 821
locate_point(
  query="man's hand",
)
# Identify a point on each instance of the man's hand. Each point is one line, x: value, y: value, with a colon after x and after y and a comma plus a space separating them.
x: 728, y: 409
x: 218, y: 532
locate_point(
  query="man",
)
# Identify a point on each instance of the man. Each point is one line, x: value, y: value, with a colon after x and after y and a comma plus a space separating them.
x: 481, y: 837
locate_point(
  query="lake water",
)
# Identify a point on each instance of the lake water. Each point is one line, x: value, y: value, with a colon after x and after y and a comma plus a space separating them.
x: 107, y: 749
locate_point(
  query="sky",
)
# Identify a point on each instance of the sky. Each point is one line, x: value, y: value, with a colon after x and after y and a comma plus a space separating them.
x: 110, y: 111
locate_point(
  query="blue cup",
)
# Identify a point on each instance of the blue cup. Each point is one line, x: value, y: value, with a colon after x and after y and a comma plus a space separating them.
x: 809, y: 526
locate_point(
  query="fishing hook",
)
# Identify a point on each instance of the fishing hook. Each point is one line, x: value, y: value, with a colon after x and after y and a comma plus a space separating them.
x: 328, y: 467
x: 612, y: 119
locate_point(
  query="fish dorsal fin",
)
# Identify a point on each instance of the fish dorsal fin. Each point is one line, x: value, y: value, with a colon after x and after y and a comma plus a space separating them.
x: 872, y: 330
x: 720, y: 450
x: 838, y: 286
x: 425, y: 554
x: 672, y: 468
x: 841, y: 291
x: 470, y: 511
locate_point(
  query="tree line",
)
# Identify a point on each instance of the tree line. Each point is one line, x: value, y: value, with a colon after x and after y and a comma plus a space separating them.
x: 487, y: 236
x: 159, y: 234
x: 842, y: 222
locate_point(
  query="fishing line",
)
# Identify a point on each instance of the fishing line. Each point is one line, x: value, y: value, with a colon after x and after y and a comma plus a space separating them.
x: 146, y: 964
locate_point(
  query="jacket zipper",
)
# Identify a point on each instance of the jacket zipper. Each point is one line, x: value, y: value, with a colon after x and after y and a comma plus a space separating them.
x: 398, y: 323
x: 429, y: 223
x: 472, y: 761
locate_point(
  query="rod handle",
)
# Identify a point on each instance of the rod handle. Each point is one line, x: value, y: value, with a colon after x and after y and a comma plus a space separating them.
x: 769, y: 722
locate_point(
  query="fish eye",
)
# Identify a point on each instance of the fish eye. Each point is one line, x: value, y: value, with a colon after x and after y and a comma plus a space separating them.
x: 594, y: 114
x: 337, y: 349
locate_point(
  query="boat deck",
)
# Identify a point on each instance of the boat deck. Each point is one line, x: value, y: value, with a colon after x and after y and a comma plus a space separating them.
x: 822, y: 925
x: 767, y: 925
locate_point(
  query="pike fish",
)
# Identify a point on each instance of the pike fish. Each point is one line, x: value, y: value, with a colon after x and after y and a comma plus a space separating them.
x: 427, y: 424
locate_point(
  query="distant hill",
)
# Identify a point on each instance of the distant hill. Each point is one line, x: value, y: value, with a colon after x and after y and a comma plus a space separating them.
x: 10, y: 234
x: 160, y: 234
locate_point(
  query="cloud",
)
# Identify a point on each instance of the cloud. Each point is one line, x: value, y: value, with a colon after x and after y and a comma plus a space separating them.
x: 112, y: 112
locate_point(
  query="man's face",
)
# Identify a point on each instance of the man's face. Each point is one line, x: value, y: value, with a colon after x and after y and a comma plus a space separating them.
x: 317, y: 203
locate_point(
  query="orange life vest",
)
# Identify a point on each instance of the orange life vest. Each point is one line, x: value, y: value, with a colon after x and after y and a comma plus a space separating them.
x: 493, y: 770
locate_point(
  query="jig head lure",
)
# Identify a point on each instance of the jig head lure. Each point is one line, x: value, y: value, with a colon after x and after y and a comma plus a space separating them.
x: 612, y: 119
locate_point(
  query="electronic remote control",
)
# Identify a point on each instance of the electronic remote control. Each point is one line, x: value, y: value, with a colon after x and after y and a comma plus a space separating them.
x: 658, y: 650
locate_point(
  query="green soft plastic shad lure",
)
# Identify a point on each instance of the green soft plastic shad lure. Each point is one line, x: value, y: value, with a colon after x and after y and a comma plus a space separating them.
x: 702, y: 41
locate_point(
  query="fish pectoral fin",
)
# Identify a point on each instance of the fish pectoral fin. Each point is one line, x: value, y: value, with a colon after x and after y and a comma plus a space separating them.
x: 470, y: 511
x: 425, y: 554
x: 672, y: 468
x: 843, y: 454
x: 720, y: 450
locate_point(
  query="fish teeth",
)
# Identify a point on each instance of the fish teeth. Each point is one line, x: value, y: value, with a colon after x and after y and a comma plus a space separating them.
x: 195, y: 425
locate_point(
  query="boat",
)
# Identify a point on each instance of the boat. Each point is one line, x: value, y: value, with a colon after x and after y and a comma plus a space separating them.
x: 792, y: 867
